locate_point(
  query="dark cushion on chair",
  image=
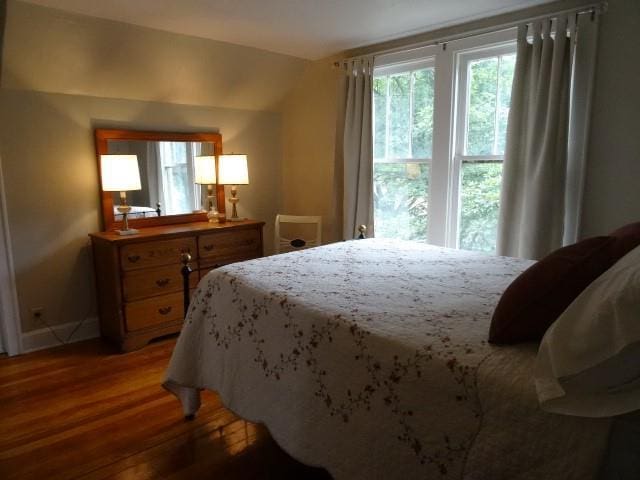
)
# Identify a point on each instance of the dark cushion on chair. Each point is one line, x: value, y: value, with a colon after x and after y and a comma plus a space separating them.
x: 541, y: 293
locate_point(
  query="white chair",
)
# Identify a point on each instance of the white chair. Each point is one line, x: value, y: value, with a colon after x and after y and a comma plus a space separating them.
x: 283, y: 244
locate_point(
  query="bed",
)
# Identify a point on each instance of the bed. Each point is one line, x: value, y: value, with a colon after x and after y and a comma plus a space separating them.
x: 369, y: 358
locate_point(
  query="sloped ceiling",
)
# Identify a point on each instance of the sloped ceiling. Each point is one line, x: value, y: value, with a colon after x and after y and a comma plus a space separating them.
x: 308, y: 29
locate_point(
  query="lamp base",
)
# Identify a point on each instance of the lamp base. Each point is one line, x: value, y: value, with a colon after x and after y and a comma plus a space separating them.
x: 129, y: 231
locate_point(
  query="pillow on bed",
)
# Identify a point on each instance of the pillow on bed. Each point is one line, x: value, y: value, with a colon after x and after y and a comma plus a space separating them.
x: 588, y: 363
x: 541, y: 293
x: 627, y: 238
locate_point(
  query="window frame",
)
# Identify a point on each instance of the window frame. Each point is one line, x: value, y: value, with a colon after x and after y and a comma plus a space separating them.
x: 463, y: 59
x: 446, y: 162
x: 398, y: 63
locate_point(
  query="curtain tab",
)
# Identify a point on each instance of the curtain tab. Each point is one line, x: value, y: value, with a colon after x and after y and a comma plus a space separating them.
x: 523, y: 29
x: 546, y: 28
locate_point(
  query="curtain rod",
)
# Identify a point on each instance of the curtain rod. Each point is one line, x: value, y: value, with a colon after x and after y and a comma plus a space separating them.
x: 592, y: 8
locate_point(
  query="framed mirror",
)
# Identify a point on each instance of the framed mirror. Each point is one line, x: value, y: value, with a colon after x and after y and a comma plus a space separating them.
x: 168, y: 193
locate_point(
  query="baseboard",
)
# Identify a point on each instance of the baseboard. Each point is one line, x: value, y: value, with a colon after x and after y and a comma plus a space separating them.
x: 43, y: 338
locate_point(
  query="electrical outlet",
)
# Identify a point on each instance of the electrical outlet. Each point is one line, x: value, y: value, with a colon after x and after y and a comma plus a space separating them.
x: 37, y: 313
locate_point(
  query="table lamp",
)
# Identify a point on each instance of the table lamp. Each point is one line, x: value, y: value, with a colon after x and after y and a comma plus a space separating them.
x: 232, y: 170
x: 205, y: 174
x: 120, y: 174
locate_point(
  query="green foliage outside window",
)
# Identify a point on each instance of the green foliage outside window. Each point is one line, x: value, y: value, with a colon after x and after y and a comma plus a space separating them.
x: 489, y: 100
x: 422, y: 121
x: 410, y: 129
x: 403, y: 131
x: 480, y: 203
x: 401, y: 194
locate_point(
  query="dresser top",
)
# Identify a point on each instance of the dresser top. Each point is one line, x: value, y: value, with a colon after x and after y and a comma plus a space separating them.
x: 177, y: 230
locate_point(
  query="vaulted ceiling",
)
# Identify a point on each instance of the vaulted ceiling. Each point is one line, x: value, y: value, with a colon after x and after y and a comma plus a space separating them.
x: 309, y: 29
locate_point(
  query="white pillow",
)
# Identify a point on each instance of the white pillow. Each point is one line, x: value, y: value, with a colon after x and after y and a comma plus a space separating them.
x: 588, y: 363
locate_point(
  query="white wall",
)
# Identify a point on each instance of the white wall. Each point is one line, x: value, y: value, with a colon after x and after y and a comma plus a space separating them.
x: 612, y: 195
x: 49, y: 50
x: 308, y: 186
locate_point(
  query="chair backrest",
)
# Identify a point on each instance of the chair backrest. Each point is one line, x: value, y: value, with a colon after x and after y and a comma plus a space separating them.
x: 284, y: 244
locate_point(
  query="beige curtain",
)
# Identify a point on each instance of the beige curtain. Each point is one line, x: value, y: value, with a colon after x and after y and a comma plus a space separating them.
x: 543, y: 176
x: 355, y: 135
x: 584, y: 63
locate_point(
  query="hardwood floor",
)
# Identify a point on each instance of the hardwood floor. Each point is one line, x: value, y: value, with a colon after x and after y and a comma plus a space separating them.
x: 83, y: 411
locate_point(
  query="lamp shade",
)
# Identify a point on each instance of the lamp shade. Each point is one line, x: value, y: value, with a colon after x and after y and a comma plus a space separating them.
x: 205, y: 170
x: 232, y: 169
x: 119, y: 173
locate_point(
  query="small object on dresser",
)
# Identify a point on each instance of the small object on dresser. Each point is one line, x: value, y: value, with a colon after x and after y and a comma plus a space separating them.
x: 213, y: 215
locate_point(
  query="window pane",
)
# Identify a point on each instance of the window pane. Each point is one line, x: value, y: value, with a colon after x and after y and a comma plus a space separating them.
x: 173, y: 153
x: 422, y: 121
x: 399, y: 93
x: 379, y: 116
x: 505, y: 79
x: 479, y: 203
x: 482, y: 106
x: 176, y: 193
x: 401, y: 192
x: 175, y: 187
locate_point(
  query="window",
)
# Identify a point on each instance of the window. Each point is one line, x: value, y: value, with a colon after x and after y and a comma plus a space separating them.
x: 484, y: 93
x: 176, y: 164
x: 402, y: 149
x: 439, y: 131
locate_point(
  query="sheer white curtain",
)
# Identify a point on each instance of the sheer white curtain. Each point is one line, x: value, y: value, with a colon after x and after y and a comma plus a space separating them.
x: 546, y: 137
x: 355, y: 135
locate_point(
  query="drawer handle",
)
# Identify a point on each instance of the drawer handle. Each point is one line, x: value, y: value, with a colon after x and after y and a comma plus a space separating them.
x: 164, y: 310
x: 208, y: 247
x: 133, y: 258
x: 162, y: 282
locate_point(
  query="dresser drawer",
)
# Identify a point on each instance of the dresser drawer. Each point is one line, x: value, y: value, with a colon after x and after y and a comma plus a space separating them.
x: 154, y: 254
x: 228, y: 245
x: 139, y: 280
x: 150, y: 282
x: 153, y: 311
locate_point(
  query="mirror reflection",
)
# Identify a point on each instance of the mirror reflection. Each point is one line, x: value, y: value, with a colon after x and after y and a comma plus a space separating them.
x: 167, y: 177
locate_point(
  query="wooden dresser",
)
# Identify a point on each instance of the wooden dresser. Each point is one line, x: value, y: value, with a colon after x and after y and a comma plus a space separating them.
x: 138, y: 276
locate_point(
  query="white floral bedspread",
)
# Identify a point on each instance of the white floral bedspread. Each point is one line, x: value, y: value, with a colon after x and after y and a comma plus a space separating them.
x: 369, y: 358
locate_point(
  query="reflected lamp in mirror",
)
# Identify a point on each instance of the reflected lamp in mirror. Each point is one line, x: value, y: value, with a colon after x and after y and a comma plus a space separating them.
x: 120, y: 173
x: 205, y: 174
x: 232, y: 170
